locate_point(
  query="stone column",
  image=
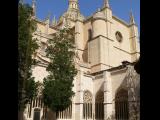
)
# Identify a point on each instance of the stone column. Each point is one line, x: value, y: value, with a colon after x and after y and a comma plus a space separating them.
x: 93, y: 103
x: 78, y: 97
x: 81, y: 96
x: 79, y: 41
x: 107, y: 96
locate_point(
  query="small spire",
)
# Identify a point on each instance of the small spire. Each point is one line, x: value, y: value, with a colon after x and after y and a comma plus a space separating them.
x: 54, y: 20
x: 106, y: 3
x: 132, y: 21
x: 34, y: 7
x: 98, y: 10
x: 47, y: 19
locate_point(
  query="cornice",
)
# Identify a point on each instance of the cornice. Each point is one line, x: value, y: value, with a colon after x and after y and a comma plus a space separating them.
x: 88, y: 19
x: 133, y: 37
x: 39, y: 21
x: 98, y: 18
x: 133, y: 24
x: 100, y: 64
x: 101, y: 36
x: 44, y: 35
x: 125, y: 51
x: 82, y: 49
x: 120, y: 20
x: 45, y: 61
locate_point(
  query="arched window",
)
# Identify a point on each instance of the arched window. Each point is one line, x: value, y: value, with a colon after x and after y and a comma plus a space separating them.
x: 87, y: 105
x: 99, y: 106
x: 121, y: 105
x: 36, y: 114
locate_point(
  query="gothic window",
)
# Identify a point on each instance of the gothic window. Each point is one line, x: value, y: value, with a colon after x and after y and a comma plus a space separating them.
x: 119, y: 36
x: 121, y: 105
x: 99, y: 105
x: 87, y: 105
x: 89, y: 34
x: 36, y: 114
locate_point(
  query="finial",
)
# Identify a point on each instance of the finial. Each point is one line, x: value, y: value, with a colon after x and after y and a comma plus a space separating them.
x: 73, y: 4
x: 21, y: 1
x: 106, y: 3
x: 132, y: 21
x: 49, y: 15
x: 47, y: 19
x: 34, y: 7
x: 33, y: 3
x: 98, y: 10
x: 54, y: 20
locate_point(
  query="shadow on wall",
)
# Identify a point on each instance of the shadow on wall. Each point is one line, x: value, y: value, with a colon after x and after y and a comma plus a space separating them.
x: 85, y: 54
x: 137, y: 66
x: 50, y: 115
x: 131, y: 84
x: 99, y: 103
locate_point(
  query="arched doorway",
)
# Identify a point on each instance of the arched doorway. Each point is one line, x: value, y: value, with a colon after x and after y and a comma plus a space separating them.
x: 121, y: 105
x: 99, y: 106
x: 36, y: 114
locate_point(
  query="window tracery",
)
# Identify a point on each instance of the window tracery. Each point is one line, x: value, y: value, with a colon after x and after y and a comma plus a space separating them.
x: 87, y: 97
x: 87, y: 105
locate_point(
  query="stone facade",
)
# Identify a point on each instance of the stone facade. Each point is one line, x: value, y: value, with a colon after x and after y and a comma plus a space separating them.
x: 103, y: 42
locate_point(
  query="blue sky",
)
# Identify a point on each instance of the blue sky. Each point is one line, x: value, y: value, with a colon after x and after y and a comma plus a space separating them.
x: 120, y: 8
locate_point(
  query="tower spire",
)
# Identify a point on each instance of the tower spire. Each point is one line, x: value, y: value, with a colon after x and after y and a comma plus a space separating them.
x: 34, y: 7
x: 106, y: 3
x: 132, y: 21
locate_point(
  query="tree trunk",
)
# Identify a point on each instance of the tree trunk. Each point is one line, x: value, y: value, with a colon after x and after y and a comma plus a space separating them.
x: 20, y: 115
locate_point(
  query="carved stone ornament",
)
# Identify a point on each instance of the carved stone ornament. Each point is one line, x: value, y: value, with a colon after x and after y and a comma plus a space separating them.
x: 87, y: 97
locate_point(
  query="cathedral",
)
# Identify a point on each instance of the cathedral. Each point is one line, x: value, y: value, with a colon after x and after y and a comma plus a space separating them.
x: 107, y: 86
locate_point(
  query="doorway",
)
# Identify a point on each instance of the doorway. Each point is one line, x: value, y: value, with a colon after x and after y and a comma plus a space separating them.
x: 36, y: 114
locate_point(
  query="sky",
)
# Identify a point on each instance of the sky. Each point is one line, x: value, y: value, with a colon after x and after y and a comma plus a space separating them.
x: 120, y: 8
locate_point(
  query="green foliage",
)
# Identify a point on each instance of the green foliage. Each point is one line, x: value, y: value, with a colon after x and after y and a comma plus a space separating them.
x: 26, y: 48
x: 31, y: 88
x: 58, y: 84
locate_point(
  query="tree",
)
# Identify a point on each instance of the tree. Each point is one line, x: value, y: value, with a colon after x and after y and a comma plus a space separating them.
x: 26, y: 48
x: 58, y: 84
